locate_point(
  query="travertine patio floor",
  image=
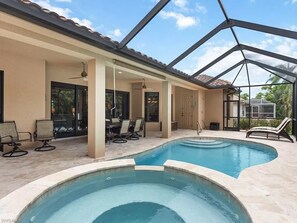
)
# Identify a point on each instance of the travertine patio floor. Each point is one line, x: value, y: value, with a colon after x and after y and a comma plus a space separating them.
x: 276, y: 180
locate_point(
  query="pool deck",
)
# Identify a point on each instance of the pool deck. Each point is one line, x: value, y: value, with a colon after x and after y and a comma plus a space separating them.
x: 270, y: 189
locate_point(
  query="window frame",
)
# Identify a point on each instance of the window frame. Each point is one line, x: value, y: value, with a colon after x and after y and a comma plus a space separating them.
x: 146, y: 96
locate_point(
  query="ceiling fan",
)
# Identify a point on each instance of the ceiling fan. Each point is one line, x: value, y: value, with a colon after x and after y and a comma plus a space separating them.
x: 83, y: 74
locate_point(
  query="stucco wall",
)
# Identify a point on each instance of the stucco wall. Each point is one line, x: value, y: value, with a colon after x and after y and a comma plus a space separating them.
x: 214, y: 107
x: 196, y: 108
x: 121, y: 85
x: 24, y: 89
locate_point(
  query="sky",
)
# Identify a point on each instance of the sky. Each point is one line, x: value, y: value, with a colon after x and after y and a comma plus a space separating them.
x: 181, y: 23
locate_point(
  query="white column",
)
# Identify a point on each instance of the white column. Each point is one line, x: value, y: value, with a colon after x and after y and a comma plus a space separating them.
x: 166, y: 109
x: 96, y: 108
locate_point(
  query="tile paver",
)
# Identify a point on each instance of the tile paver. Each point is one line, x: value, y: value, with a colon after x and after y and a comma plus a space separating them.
x: 275, y: 181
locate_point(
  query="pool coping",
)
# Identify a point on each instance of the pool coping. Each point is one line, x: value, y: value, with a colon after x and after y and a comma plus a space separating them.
x: 12, y: 205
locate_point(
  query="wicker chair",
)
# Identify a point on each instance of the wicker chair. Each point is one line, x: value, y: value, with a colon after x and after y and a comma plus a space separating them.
x: 11, y: 137
x: 44, y: 132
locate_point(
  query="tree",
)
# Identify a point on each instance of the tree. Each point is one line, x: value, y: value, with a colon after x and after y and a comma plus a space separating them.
x: 244, y: 96
x: 260, y: 95
x: 281, y: 95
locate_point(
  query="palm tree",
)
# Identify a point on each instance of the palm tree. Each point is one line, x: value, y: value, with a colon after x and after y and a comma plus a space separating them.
x: 281, y: 94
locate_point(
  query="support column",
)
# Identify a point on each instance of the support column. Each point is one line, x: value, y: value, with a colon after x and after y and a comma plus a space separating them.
x: 166, y: 109
x: 96, y: 108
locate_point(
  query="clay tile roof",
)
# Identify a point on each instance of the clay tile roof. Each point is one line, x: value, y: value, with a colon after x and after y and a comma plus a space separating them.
x: 96, y: 38
x: 218, y: 82
x: 90, y: 31
x: 55, y: 15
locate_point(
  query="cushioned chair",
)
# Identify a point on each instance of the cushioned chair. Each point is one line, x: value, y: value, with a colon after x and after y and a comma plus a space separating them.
x: 137, y: 128
x: 124, y: 132
x: 44, y: 132
x: 279, y: 131
x: 11, y: 137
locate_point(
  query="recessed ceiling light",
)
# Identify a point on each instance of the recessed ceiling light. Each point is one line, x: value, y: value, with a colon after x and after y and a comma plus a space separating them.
x: 120, y: 72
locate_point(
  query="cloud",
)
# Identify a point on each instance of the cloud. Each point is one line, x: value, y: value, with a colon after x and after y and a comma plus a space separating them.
x: 83, y: 22
x: 201, y: 8
x: 211, y: 50
x: 46, y: 4
x: 182, y: 21
x: 66, y: 12
x: 181, y: 3
x: 293, y: 27
x: 115, y: 34
x: 294, y: 1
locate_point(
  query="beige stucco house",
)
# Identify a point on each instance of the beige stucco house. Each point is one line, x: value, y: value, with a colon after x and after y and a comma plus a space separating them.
x: 40, y: 51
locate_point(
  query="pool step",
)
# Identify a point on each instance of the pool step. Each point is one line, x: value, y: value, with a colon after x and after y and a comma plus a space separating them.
x: 202, y: 142
x: 205, y: 143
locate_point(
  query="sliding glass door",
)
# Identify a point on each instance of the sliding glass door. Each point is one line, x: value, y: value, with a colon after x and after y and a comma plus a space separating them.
x: 120, y: 104
x: 69, y: 109
x: 82, y: 110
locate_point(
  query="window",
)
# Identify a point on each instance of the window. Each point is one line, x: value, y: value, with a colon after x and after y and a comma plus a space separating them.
x: 151, y: 106
x: 122, y: 104
x: 267, y: 111
x: 255, y: 110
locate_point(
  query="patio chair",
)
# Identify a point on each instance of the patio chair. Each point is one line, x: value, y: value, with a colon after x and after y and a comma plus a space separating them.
x: 115, y: 120
x: 44, y: 133
x: 109, y: 134
x: 137, y: 128
x: 273, y: 128
x: 124, y: 132
x: 278, y: 131
x: 11, y: 137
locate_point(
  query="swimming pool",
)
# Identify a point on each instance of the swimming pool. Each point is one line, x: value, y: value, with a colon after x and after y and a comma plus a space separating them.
x: 227, y: 156
x: 127, y: 195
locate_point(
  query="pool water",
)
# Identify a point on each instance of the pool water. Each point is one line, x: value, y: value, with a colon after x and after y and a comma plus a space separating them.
x: 226, y: 156
x: 139, y: 212
x: 122, y: 196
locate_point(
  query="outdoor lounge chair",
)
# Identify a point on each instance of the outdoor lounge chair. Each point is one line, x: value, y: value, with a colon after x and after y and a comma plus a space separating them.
x: 137, y: 128
x: 44, y: 132
x: 278, y: 131
x: 124, y: 132
x: 11, y: 137
x: 273, y: 128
